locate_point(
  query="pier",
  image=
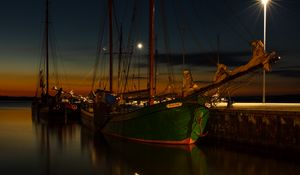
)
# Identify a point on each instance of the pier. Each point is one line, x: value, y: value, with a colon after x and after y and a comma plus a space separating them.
x: 270, y: 127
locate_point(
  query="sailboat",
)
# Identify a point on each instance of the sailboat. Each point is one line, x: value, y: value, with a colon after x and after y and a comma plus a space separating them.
x: 87, y: 112
x: 163, y: 119
x: 46, y: 105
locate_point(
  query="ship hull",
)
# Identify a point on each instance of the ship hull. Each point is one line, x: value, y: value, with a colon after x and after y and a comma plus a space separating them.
x: 42, y: 110
x: 174, y: 122
x: 87, y: 117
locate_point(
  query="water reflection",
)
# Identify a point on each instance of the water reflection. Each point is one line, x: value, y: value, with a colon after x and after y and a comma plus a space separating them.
x: 35, y: 146
x: 225, y: 159
x: 106, y: 155
x: 78, y: 149
x: 58, y: 145
x: 114, y: 156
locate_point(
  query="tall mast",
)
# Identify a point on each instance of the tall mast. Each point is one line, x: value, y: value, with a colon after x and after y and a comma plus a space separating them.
x: 47, y: 48
x: 120, y: 56
x: 218, y: 49
x: 155, y: 65
x: 110, y: 11
x: 151, y: 51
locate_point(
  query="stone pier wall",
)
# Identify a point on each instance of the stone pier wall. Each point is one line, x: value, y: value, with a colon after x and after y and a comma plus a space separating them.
x: 265, y: 129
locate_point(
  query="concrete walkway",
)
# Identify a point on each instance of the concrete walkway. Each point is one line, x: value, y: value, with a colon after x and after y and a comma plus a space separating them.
x: 262, y: 106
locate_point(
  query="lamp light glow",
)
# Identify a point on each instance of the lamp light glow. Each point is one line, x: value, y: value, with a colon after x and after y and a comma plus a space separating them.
x: 265, y: 2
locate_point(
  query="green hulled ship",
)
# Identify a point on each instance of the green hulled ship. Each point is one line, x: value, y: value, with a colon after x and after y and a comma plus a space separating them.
x: 173, y: 122
x: 168, y: 119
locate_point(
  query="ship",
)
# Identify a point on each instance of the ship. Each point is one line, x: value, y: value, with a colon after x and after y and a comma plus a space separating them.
x: 165, y: 118
x: 44, y: 104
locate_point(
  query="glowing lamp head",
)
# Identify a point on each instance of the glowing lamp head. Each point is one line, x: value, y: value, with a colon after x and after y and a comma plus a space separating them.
x: 139, y: 46
x: 265, y: 2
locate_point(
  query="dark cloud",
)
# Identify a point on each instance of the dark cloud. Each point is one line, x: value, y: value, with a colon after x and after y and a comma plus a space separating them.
x: 208, y: 59
x: 287, y: 73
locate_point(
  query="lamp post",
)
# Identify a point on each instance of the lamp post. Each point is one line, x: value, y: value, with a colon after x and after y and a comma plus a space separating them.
x: 265, y: 3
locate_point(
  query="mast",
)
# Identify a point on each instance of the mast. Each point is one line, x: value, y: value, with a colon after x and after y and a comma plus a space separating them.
x: 218, y: 49
x: 151, y: 51
x: 155, y: 65
x: 47, y: 49
x: 110, y: 11
x: 120, y: 56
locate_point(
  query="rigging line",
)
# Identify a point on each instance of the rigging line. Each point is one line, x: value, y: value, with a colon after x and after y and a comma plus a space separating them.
x: 116, y: 18
x: 101, y: 53
x: 239, y: 20
x: 103, y: 59
x: 196, y: 12
x: 166, y: 41
x: 128, y: 68
x: 120, y: 34
x: 131, y: 72
x: 230, y: 87
x: 43, y: 53
x: 61, y: 74
x: 104, y: 71
x: 120, y: 58
x: 39, y: 66
x: 137, y: 59
x: 195, y: 37
x: 222, y: 21
x: 53, y: 70
x: 54, y: 56
x: 241, y: 37
x: 126, y: 7
x: 181, y: 32
x: 133, y: 82
x: 248, y: 81
x: 129, y: 45
x: 53, y: 48
x: 99, y: 49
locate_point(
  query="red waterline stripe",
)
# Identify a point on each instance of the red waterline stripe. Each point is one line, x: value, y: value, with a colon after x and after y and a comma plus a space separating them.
x: 186, y: 141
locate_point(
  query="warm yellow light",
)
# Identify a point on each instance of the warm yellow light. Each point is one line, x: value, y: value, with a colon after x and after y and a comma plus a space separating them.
x: 140, y: 46
x: 265, y: 2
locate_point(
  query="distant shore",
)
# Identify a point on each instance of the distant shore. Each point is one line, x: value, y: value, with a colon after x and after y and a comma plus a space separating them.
x: 18, y: 98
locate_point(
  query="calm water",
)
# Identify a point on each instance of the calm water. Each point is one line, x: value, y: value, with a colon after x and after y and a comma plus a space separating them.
x: 35, y: 146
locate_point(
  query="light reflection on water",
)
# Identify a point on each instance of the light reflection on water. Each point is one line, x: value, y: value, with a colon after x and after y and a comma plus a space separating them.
x: 35, y: 146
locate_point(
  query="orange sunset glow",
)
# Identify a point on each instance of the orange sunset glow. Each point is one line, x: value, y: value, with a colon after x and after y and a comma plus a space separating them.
x: 193, y: 42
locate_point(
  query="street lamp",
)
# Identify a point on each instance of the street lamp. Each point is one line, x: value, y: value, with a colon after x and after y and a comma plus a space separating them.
x: 265, y: 3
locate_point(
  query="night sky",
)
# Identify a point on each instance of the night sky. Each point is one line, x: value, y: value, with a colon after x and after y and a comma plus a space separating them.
x: 193, y: 27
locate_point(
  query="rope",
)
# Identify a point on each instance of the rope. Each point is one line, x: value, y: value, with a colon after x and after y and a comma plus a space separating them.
x: 240, y: 22
x: 171, y: 78
x: 99, y: 50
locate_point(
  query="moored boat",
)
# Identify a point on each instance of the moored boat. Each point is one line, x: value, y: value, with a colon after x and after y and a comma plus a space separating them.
x: 167, y: 119
x: 45, y: 104
x: 87, y: 114
x: 172, y: 122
